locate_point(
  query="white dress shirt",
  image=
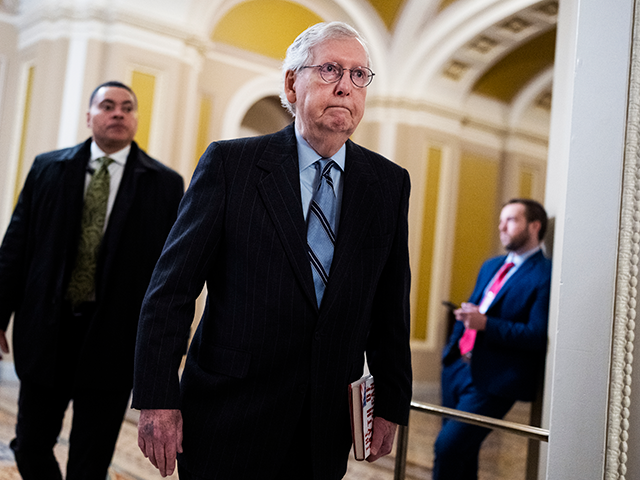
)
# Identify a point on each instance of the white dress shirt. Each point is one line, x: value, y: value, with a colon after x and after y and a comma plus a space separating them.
x: 116, y: 169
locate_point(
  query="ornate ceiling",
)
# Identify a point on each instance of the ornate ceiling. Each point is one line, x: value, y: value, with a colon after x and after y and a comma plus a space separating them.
x: 440, y: 51
x: 498, y: 60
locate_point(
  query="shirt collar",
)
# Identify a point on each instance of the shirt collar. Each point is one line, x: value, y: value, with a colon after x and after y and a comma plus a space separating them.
x: 520, y: 259
x: 119, y: 157
x: 307, y: 156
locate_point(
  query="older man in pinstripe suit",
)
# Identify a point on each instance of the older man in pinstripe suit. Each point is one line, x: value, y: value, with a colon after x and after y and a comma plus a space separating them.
x: 264, y: 390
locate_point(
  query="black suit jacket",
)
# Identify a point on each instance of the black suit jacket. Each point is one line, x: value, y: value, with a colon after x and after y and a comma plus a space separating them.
x: 38, y: 254
x: 263, y: 347
x: 508, y: 356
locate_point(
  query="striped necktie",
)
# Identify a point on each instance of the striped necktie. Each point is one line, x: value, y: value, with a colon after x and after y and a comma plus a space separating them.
x: 82, y: 284
x: 321, y: 227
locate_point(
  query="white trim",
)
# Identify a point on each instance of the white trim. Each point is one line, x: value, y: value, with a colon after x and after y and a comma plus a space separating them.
x: 245, y: 60
x: 528, y: 95
x: 388, y: 139
x: 454, y: 27
x: 621, y: 445
x: 3, y: 80
x: 5, y: 199
x: 584, y: 191
x: 73, y: 89
x: 189, y: 129
x: 443, y: 247
x: 105, y: 31
x: 244, y: 99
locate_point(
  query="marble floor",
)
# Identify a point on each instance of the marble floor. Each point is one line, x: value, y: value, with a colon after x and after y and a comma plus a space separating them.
x: 503, y: 455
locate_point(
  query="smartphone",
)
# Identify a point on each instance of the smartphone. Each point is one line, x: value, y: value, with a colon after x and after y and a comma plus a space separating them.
x: 450, y: 305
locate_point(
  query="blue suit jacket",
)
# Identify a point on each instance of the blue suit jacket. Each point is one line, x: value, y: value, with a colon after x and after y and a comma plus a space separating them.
x: 263, y: 347
x: 508, y: 356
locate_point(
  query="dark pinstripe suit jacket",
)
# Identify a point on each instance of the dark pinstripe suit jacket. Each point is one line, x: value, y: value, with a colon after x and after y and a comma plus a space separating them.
x: 262, y: 345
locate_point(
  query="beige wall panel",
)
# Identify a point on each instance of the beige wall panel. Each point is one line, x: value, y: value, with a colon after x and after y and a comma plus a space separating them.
x: 119, y: 61
x: 8, y: 40
x: 411, y: 150
x: 187, y: 117
x: 96, y: 72
x: 412, y: 146
x: 367, y: 134
x: 94, y: 75
x: 222, y: 81
x: 49, y: 60
x: 515, y: 165
x: 8, y: 105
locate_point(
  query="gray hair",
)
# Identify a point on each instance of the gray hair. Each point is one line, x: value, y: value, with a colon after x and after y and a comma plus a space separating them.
x: 300, y: 51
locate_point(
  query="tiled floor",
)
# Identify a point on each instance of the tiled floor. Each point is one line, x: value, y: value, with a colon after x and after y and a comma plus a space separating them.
x: 502, y: 458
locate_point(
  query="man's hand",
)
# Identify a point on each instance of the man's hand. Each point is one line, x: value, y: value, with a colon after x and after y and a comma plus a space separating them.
x: 384, y: 433
x: 4, y: 345
x: 471, y: 317
x: 160, y: 438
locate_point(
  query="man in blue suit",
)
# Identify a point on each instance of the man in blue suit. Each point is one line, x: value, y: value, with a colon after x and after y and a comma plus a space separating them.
x: 264, y: 392
x: 496, y: 352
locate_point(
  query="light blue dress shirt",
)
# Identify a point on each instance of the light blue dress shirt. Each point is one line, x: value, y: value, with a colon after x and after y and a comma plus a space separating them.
x: 310, y: 177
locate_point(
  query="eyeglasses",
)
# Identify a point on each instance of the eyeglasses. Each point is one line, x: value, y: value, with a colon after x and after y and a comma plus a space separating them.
x: 332, y: 73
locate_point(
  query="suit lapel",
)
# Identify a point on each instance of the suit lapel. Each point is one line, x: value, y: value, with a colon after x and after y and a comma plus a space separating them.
x: 280, y: 192
x: 497, y: 263
x: 134, y: 168
x: 358, y: 195
x: 520, y: 273
x: 73, y: 178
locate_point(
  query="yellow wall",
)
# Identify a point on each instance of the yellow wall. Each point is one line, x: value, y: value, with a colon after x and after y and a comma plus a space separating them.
x: 266, y: 27
x: 509, y: 76
x: 526, y: 184
x: 144, y: 86
x: 184, y: 124
x: 388, y: 10
x: 476, y: 222
x: 445, y: 3
x: 421, y: 314
x: 204, y: 122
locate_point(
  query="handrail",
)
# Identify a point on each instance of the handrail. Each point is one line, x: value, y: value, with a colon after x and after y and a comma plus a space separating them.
x: 535, y: 433
x: 483, y: 421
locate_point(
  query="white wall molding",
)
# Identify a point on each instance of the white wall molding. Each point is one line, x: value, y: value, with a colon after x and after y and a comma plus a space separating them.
x: 244, y: 99
x: 588, y: 161
x: 620, y: 449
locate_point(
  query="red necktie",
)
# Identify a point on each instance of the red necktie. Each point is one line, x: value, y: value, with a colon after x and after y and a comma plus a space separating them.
x: 469, y: 337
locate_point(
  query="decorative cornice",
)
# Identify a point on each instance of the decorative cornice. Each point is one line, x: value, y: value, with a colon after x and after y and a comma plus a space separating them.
x: 410, y: 111
x: 65, y: 15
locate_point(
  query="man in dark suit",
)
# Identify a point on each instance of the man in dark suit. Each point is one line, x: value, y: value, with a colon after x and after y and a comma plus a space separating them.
x: 77, y: 301
x: 496, y: 352
x: 264, y: 392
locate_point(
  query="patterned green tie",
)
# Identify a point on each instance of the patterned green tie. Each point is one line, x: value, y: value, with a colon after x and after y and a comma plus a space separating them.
x: 94, y: 212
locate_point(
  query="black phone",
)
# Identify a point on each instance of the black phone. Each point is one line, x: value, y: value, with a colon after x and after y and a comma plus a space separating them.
x: 450, y: 305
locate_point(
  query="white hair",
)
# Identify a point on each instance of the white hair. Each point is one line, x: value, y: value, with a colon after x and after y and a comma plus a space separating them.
x: 300, y: 52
